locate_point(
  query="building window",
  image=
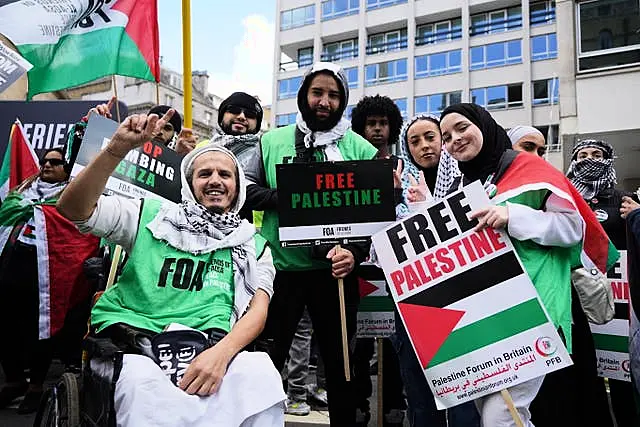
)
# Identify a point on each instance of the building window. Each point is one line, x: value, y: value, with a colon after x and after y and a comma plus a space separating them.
x: 305, y: 56
x: 608, y: 34
x: 207, y: 118
x: 347, y: 111
x: 332, y: 9
x: 401, y: 103
x: 340, y: 51
x: 377, y: 4
x: 545, y: 92
x: 434, y: 104
x: 439, y: 32
x: 285, y: 119
x: 386, y: 42
x: 551, y: 135
x: 297, y: 17
x: 496, y: 21
x: 496, y: 54
x: 544, y: 47
x: 438, y: 64
x: 498, y: 97
x: 288, y: 88
x: 169, y: 100
x: 352, y: 76
x: 386, y: 72
x: 542, y: 13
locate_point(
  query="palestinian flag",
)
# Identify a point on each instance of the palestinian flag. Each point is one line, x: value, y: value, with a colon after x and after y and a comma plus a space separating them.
x: 72, y: 43
x: 376, y: 317
x: 20, y: 161
x: 61, y: 250
x: 531, y: 173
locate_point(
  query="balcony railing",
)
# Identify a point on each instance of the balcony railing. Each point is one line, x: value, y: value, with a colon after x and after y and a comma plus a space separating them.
x: 496, y: 26
x: 439, y: 36
x: 387, y: 46
x: 340, y: 55
x: 541, y: 17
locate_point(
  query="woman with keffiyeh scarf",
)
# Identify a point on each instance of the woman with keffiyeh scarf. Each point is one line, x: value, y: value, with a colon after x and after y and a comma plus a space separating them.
x: 593, y: 174
x: 196, y: 264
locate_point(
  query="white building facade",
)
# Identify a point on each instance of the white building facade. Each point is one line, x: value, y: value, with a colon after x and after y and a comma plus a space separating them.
x: 516, y: 58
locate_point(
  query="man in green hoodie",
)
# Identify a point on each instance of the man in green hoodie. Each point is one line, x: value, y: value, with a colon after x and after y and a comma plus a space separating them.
x: 307, y: 277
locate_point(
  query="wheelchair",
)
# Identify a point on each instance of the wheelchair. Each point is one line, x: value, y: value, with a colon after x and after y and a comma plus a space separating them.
x: 84, y: 396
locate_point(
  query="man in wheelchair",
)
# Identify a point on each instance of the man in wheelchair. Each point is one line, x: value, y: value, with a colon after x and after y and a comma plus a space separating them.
x: 194, y: 266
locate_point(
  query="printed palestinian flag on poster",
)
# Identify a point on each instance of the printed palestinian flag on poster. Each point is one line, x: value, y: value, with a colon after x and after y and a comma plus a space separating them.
x: 473, y: 315
x: 612, y: 338
x: 72, y: 42
x: 376, y: 318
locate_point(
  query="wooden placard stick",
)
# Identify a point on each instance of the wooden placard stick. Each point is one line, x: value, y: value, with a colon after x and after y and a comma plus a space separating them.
x: 380, y: 343
x: 343, y: 326
x: 512, y: 407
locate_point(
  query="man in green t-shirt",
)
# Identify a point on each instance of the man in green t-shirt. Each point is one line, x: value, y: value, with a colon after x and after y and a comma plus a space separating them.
x: 307, y: 277
x: 196, y: 264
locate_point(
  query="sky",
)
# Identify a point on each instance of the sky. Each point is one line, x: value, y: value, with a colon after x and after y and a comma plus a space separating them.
x: 232, y: 40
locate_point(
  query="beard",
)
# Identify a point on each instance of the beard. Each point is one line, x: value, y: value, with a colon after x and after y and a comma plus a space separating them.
x: 228, y: 129
x: 321, y: 124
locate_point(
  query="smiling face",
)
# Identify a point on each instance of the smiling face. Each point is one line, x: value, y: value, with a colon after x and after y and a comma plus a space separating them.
x: 532, y: 143
x: 462, y: 139
x: 214, y: 181
x: 323, y: 96
x: 425, y: 143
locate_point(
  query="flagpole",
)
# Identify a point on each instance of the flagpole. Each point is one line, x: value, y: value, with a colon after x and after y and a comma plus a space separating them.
x: 157, y: 93
x: 186, y: 60
x: 115, y: 93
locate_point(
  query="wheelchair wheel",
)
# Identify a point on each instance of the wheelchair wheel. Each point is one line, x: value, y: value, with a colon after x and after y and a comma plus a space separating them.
x: 61, y: 404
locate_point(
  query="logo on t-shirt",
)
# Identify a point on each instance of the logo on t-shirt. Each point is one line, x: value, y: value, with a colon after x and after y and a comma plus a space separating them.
x: 184, y: 273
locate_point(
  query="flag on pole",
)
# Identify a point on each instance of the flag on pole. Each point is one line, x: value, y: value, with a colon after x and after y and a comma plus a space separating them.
x: 73, y: 43
x: 19, y: 163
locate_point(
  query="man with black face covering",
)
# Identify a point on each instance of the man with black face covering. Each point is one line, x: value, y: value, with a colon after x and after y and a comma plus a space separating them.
x: 306, y: 277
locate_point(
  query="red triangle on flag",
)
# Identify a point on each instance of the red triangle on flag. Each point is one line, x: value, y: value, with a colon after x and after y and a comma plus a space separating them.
x: 366, y: 287
x: 428, y: 328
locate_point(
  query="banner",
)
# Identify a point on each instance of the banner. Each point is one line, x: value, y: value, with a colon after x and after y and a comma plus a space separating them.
x: 473, y: 316
x: 12, y: 66
x: 45, y: 123
x: 334, y: 202
x: 612, y: 338
x: 375, y: 312
x: 152, y: 170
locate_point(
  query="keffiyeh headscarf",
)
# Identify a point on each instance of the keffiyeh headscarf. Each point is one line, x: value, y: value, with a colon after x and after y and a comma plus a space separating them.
x: 591, y: 176
x: 447, y: 166
x: 192, y: 228
x: 240, y: 145
x: 39, y: 190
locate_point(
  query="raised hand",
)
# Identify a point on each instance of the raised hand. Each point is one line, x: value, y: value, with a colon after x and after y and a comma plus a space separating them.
x: 397, y: 175
x: 136, y: 130
x: 418, y: 190
x: 628, y: 205
x: 103, y: 110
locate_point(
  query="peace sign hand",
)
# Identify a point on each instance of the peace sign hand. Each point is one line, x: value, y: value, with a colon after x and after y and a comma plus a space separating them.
x: 397, y: 175
x: 418, y: 190
x: 136, y: 130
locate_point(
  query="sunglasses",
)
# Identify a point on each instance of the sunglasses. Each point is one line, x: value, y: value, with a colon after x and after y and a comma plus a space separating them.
x: 52, y: 162
x: 249, y: 114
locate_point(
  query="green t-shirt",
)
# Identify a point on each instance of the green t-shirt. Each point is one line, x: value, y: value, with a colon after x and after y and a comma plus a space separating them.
x: 162, y: 285
x: 278, y: 146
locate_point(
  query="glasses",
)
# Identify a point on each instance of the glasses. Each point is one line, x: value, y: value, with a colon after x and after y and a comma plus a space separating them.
x: 52, y: 162
x: 249, y: 114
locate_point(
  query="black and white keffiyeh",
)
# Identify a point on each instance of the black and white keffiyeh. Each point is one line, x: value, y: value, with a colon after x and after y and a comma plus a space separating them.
x: 40, y: 190
x: 241, y: 146
x: 190, y: 227
x: 325, y: 140
x: 591, y: 176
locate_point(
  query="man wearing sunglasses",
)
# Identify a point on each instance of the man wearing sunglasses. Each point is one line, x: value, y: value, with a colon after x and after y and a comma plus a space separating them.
x: 239, y: 119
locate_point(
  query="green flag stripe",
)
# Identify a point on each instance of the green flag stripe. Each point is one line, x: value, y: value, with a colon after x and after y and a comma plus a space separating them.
x: 80, y: 58
x: 611, y: 342
x: 380, y: 303
x: 5, y: 169
x: 490, y: 330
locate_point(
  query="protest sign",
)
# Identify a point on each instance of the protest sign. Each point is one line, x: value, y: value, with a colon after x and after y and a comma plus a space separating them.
x: 333, y: 202
x: 473, y: 315
x: 45, y: 123
x: 612, y: 339
x: 152, y: 170
x: 375, y: 312
x: 12, y: 66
